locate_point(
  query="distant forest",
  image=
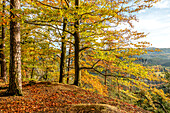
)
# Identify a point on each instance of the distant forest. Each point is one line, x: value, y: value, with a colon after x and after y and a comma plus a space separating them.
x: 156, y: 58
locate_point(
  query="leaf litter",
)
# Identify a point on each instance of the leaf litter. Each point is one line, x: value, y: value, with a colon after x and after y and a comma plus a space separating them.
x: 62, y: 98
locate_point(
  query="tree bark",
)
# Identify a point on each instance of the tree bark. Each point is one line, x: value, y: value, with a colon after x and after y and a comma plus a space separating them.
x: 32, y: 72
x: 77, y: 80
x: 15, y: 81
x: 63, y: 54
x: 68, y: 69
x: 2, y: 47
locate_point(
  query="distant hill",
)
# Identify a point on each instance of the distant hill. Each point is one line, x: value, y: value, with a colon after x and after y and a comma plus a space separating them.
x: 163, y: 54
x: 157, y: 58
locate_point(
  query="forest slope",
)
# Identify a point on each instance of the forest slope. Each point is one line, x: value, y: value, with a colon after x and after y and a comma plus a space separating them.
x: 61, y: 98
x: 161, y: 57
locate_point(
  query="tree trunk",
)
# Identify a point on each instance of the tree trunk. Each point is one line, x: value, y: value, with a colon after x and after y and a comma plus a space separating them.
x: 77, y: 80
x: 2, y: 47
x: 105, y: 78
x: 68, y: 69
x: 15, y: 81
x: 63, y: 54
x: 46, y: 74
x: 118, y: 90
x: 32, y: 72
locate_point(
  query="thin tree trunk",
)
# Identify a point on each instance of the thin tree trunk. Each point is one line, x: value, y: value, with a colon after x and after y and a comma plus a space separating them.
x: 47, y: 68
x: 33, y: 60
x: 118, y: 90
x: 68, y: 69
x: 26, y: 73
x: 2, y: 47
x: 46, y: 74
x: 77, y: 80
x: 105, y: 81
x: 15, y: 81
x: 63, y: 54
x: 32, y: 72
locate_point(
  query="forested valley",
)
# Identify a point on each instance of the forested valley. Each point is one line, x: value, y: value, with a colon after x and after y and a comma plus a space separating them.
x: 73, y: 56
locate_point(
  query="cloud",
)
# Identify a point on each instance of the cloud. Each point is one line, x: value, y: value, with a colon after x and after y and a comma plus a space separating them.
x: 142, y: 11
x: 162, y: 4
x: 156, y: 22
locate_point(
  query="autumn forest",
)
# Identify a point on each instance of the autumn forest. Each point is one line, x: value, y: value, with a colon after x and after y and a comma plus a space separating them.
x: 59, y: 53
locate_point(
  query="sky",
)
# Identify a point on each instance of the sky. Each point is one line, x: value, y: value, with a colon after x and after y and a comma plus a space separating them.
x: 156, y: 22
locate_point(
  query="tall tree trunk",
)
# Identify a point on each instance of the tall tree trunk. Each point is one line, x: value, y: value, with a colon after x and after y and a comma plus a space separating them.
x: 63, y: 54
x: 47, y: 68
x: 68, y: 69
x: 2, y: 47
x: 15, y: 81
x: 33, y: 60
x: 77, y: 80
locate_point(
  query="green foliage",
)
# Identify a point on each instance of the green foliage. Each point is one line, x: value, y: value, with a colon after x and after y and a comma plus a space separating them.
x: 161, y: 106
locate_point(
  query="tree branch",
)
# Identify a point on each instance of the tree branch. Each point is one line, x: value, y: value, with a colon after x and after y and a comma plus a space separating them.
x: 67, y: 2
x: 161, y: 106
x: 47, y: 25
x: 46, y: 21
x: 49, y: 5
x: 84, y: 48
x: 71, y: 43
x: 90, y: 67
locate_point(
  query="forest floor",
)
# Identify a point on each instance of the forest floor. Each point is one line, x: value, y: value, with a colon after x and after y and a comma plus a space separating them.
x: 45, y: 97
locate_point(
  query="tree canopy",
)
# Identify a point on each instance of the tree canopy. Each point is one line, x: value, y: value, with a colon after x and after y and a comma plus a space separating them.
x: 83, y: 40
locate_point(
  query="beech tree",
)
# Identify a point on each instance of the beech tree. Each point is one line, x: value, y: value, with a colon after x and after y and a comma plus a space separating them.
x: 63, y: 52
x: 100, y: 45
x: 15, y: 80
x: 38, y: 53
x: 2, y: 45
x: 76, y: 35
x: 93, y: 18
x: 52, y: 23
x: 93, y: 25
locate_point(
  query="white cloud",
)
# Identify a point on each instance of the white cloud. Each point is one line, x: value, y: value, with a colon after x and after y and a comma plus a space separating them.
x: 162, y: 4
x: 152, y: 24
x: 142, y: 11
x: 156, y: 22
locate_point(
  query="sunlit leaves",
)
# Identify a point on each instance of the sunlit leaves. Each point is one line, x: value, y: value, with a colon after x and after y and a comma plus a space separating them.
x: 101, y: 38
